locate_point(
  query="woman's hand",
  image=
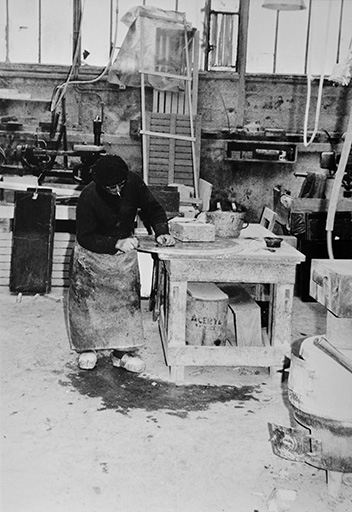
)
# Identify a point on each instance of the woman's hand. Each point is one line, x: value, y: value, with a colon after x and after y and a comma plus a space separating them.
x: 126, y: 244
x: 165, y: 240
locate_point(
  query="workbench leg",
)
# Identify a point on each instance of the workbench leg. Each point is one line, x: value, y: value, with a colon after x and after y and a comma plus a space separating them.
x: 334, y: 483
x: 275, y: 376
x: 177, y: 374
x: 280, y: 318
x: 177, y: 326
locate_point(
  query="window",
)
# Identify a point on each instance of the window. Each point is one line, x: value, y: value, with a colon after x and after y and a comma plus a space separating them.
x: 297, y: 42
x: 286, y: 42
x: 46, y: 32
x: 222, y: 25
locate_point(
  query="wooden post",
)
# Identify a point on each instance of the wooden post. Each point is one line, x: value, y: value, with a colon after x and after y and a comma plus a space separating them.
x: 242, y: 60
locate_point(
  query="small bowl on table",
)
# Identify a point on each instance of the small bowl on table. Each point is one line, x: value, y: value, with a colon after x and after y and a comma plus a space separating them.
x: 273, y: 242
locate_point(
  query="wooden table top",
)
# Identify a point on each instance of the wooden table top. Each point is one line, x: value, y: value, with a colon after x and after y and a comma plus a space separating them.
x: 250, y: 245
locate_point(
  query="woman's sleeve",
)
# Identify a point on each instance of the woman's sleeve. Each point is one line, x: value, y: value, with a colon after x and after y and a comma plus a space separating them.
x: 87, y: 229
x: 152, y: 211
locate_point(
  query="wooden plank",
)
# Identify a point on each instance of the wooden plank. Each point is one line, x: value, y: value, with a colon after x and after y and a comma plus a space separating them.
x: 62, y: 251
x: 60, y: 274
x: 183, y: 143
x: 224, y: 356
x: 181, y: 102
x: 62, y: 263
x: 159, y: 160
x: 63, y: 212
x: 172, y: 150
x: 5, y: 246
x: 5, y: 237
x: 156, y: 150
x: 246, y: 317
x: 64, y: 236
x: 302, y: 205
x: 159, y: 169
x: 60, y: 283
x: 5, y: 257
x: 183, y: 162
x: 62, y: 258
x: 168, y: 100
x: 184, y: 151
x: 158, y: 181
x: 63, y: 244
x: 32, y: 248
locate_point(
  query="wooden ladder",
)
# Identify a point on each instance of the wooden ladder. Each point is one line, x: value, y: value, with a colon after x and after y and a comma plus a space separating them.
x: 171, y: 132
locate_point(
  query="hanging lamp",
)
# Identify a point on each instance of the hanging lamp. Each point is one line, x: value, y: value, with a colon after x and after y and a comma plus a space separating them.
x: 284, y: 5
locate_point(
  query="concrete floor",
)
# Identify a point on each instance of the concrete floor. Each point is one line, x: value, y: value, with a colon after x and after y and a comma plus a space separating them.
x: 109, y: 441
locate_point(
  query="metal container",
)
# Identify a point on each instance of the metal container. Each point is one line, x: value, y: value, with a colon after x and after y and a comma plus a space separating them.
x: 320, y: 392
x: 227, y: 224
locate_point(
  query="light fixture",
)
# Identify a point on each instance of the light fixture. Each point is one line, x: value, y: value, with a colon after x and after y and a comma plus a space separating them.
x: 284, y: 5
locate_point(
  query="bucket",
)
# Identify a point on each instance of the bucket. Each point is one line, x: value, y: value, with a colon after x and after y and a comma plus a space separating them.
x: 227, y: 224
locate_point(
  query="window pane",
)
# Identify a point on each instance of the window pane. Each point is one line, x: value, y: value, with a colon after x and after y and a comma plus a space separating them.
x: 124, y: 6
x: 194, y: 14
x: 23, y: 31
x: 223, y: 40
x: 324, y: 34
x: 2, y: 30
x: 166, y: 5
x: 57, y: 32
x: 291, y: 45
x: 261, y: 36
x: 96, y: 31
x: 346, y: 30
x: 225, y: 5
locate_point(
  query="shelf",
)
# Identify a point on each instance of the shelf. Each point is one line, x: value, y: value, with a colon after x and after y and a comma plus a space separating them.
x: 261, y: 151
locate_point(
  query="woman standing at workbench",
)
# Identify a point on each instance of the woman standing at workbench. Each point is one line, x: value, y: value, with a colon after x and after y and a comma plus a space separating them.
x: 104, y: 298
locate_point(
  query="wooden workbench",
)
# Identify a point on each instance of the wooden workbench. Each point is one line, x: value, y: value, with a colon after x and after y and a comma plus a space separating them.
x: 241, y: 260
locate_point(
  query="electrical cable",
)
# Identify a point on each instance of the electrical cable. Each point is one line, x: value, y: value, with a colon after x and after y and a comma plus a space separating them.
x: 320, y: 91
x: 60, y: 90
x: 337, y: 185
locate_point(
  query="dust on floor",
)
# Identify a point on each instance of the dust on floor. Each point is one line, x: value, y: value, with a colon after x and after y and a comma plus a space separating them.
x: 107, y: 440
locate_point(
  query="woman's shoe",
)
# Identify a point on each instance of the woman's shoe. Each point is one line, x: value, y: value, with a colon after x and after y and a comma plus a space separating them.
x: 87, y: 360
x: 130, y: 362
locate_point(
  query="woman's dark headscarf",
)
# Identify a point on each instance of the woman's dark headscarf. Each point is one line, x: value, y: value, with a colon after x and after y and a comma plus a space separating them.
x: 109, y: 170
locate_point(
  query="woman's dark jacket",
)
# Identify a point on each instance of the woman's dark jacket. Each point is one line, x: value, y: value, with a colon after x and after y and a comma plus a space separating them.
x: 102, y: 218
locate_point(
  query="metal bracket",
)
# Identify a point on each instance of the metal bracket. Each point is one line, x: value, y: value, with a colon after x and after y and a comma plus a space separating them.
x: 293, y: 444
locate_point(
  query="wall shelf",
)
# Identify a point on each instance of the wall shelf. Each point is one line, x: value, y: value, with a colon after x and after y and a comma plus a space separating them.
x: 261, y: 151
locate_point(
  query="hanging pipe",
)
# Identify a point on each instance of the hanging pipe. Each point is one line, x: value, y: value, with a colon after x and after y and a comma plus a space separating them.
x: 61, y: 89
x: 337, y: 185
x: 307, y: 142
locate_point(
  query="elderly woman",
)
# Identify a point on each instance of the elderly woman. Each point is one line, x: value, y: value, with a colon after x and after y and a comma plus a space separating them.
x: 104, y: 298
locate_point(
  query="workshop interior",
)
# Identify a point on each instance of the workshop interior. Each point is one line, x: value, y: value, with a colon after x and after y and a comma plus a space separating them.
x: 237, y: 114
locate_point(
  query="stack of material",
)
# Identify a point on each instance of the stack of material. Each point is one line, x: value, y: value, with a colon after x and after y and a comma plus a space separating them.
x: 244, y: 317
x: 189, y: 230
x: 206, y: 315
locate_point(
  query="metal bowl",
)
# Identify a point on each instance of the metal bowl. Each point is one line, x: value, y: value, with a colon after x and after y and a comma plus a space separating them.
x: 273, y: 241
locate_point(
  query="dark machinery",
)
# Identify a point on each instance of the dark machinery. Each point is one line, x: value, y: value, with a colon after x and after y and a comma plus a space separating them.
x: 40, y: 158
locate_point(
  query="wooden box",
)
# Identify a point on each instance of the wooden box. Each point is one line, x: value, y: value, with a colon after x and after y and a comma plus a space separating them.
x: 331, y: 285
x: 206, y: 315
